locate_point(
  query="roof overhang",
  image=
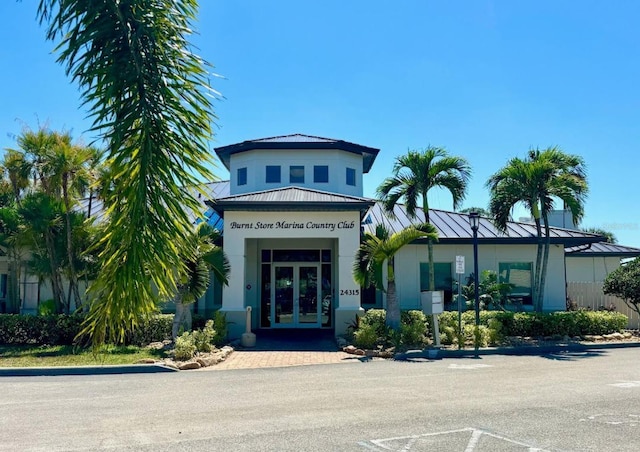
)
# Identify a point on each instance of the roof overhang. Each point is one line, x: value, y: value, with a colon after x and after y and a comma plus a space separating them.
x: 368, y: 154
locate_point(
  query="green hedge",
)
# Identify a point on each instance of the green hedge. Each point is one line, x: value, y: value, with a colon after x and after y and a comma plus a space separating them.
x: 62, y: 329
x: 573, y: 323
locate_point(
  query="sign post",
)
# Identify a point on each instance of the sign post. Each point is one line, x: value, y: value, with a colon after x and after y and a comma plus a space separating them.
x: 459, y: 272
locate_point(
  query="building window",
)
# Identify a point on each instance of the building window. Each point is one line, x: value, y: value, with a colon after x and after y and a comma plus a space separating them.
x: 273, y: 174
x: 242, y: 176
x: 519, y: 274
x: 351, y: 177
x: 443, y: 279
x: 296, y: 174
x: 321, y: 174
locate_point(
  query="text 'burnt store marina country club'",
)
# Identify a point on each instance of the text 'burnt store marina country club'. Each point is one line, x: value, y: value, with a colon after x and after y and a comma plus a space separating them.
x: 294, y: 225
x: 293, y: 214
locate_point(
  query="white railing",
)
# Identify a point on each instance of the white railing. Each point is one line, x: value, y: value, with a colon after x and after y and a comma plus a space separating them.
x: 590, y: 295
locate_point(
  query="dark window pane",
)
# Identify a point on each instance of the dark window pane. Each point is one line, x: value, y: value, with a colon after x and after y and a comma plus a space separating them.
x: 273, y: 174
x: 296, y: 255
x: 351, y: 176
x: 266, y: 255
x: 521, y: 276
x: 326, y: 255
x: 321, y: 174
x: 442, y: 276
x: 296, y: 174
x: 242, y: 176
x: 265, y: 296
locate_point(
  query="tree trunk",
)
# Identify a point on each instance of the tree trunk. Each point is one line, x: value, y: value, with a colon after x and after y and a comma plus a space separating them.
x: 538, y: 270
x: 56, y: 283
x: 432, y: 272
x: 393, y: 307
x: 182, y: 317
x: 73, y: 280
x: 545, y: 264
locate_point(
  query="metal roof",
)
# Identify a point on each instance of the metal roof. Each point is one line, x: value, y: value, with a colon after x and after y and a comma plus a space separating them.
x: 453, y: 227
x: 289, y: 199
x: 602, y: 249
x: 298, y: 141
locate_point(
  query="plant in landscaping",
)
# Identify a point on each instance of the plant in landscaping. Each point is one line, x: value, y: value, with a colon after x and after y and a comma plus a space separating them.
x: 185, y: 347
x: 380, y: 248
x: 624, y: 282
x: 414, y: 175
x: 534, y: 182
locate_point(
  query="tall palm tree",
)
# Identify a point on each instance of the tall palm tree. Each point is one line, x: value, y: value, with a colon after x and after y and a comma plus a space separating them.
x: 67, y: 165
x: 414, y: 175
x: 207, y: 258
x: 150, y: 101
x: 536, y: 181
x: 380, y: 248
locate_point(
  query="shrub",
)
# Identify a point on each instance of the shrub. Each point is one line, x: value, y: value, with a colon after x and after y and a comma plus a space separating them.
x: 203, y: 338
x: 376, y: 318
x: 365, y: 336
x: 185, y: 348
x: 155, y: 329
x: 221, y: 328
x: 413, y: 328
x: 47, y: 307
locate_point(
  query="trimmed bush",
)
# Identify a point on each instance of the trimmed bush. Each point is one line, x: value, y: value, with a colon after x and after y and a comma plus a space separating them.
x: 503, y: 323
x: 62, y: 329
x: 372, y: 330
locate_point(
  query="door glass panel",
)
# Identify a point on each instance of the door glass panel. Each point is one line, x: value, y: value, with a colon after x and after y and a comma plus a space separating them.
x: 308, y: 294
x: 283, y: 295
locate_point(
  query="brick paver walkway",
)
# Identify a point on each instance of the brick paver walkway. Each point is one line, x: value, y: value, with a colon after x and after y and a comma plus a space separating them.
x: 288, y: 348
x: 251, y: 359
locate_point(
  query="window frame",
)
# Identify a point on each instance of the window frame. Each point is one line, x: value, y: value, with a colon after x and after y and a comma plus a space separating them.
x: 241, y: 176
x: 269, y: 177
x: 351, y: 172
x: 296, y: 179
x: 316, y: 174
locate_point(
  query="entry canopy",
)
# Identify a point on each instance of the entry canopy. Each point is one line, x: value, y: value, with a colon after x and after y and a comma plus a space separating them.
x: 298, y: 141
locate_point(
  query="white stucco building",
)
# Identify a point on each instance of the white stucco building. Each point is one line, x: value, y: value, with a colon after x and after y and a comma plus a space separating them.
x: 292, y: 215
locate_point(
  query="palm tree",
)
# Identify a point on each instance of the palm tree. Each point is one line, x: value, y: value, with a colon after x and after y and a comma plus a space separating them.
x: 380, y: 248
x: 207, y: 258
x: 67, y: 165
x: 414, y: 175
x: 150, y: 101
x: 535, y: 182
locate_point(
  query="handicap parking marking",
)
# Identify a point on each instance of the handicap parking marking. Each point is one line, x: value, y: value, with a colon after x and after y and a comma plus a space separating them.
x: 626, y: 384
x: 463, y: 440
x: 468, y: 366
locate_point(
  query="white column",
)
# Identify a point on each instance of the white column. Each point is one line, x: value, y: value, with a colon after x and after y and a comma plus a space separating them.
x: 347, y: 291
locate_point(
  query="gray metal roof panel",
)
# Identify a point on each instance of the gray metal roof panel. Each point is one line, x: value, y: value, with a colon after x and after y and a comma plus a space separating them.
x: 602, y: 249
x: 291, y: 195
x: 454, y: 226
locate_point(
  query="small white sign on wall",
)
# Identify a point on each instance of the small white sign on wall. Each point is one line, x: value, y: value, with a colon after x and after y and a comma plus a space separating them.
x: 460, y: 265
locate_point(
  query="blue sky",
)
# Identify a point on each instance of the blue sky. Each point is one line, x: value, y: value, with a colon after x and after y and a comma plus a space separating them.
x: 486, y: 79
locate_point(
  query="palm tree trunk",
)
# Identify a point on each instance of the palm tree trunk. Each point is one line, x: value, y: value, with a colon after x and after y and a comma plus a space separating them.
x: 432, y: 272
x: 545, y: 264
x: 393, y: 307
x: 73, y: 281
x: 56, y: 283
x: 538, y: 270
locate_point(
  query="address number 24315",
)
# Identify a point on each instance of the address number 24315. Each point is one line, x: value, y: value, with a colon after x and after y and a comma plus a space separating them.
x: 349, y: 291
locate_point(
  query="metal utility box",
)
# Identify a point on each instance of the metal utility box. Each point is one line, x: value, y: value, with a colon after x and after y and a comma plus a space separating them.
x: 432, y: 302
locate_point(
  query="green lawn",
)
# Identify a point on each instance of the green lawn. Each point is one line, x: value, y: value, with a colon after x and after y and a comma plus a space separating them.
x: 66, y: 355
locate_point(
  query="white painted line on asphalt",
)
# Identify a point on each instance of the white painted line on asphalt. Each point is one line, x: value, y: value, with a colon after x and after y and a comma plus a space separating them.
x: 468, y: 366
x: 407, y: 443
x: 626, y: 384
x: 615, y: 419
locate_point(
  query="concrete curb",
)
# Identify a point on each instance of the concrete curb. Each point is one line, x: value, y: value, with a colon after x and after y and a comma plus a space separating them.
x: 84, y: 370
x: 529, y: 350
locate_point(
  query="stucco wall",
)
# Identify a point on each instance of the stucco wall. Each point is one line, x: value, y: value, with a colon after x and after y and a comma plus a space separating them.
x: 337, y: 161
x: 590, y: 269
x: 489, y: 256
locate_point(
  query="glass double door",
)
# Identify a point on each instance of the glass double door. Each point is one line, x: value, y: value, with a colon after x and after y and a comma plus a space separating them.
x: 295, y: 296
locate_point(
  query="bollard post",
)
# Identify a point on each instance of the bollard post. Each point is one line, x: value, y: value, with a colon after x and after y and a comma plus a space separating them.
x: 248, y: 339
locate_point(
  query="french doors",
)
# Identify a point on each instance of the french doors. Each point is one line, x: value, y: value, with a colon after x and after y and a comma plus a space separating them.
x: 296, y: 295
